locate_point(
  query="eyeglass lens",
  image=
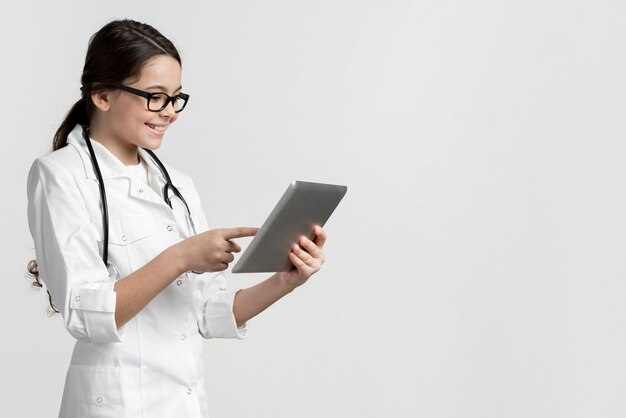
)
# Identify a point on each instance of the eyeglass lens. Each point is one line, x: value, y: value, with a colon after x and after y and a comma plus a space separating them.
x: 158, y: 101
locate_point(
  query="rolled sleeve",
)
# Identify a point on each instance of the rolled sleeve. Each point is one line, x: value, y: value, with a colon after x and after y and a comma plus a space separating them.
x: 95, y: 303
x: 218, y: 319
x: 66, y: 248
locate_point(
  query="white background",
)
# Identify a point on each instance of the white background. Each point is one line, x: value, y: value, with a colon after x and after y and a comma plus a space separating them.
x: 476, y: 266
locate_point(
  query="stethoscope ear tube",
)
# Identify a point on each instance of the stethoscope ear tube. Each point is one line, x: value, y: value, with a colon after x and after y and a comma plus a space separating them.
x: 103, y: 197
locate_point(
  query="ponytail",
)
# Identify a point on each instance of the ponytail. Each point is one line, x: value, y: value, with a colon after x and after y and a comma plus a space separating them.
x: 33, y: 273
x: 79, y: 114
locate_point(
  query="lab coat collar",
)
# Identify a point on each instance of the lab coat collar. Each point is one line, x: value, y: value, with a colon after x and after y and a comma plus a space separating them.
x: 110, y: 165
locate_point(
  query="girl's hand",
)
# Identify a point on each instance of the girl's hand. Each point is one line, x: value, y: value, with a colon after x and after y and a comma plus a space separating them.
x: 212, y: 250
x: 307, y: 257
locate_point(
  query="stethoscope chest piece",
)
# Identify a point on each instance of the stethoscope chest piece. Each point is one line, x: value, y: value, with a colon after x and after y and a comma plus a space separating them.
x: 114, y: 273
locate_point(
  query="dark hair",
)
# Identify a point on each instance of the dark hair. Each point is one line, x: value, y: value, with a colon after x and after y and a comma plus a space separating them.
x: 117, y: 52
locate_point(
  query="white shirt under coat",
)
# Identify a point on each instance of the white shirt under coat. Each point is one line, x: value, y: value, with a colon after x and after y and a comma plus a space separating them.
x: 153, y: 365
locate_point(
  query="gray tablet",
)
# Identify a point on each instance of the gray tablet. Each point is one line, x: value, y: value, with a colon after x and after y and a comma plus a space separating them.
x: 302, y: 206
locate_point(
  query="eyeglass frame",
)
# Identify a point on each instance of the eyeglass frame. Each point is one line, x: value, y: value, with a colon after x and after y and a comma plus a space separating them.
x: 148, y: 95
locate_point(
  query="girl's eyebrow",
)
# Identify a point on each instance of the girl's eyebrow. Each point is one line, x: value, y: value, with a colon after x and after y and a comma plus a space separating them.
x: 162, y: 88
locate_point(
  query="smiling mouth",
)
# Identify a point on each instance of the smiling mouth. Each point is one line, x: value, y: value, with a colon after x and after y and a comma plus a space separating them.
x: 158, y: 128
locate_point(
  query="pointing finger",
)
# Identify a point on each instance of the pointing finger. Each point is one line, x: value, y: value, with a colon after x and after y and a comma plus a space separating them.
x: 242, y: 231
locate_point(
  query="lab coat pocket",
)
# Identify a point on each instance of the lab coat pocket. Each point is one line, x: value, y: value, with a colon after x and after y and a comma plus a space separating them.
x: 103, y: 392
x: 127, y: 231
x: 125, y: 236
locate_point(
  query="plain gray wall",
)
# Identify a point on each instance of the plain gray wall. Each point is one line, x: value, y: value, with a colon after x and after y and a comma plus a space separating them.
x: 477, y: 265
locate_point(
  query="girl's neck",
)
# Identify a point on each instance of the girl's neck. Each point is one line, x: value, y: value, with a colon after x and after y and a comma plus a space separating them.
x: 127, y: 153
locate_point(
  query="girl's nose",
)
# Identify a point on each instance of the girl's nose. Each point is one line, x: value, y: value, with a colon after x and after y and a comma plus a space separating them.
x: 169, y: 110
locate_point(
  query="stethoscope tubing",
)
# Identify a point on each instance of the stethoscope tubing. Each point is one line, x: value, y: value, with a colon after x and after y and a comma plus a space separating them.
x: 103, y: 196
x: 103, y: 199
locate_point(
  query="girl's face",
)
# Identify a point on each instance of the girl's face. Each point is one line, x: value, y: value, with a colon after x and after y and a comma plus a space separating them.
x: 127, y: 123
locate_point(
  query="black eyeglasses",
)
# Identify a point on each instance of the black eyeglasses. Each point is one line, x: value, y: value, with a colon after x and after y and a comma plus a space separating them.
x: 157, y: 101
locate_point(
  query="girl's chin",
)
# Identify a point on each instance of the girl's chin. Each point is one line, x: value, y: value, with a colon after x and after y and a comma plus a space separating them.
x: 152, y: 143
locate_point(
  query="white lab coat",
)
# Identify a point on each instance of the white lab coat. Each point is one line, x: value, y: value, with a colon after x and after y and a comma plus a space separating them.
x: 153, y: 365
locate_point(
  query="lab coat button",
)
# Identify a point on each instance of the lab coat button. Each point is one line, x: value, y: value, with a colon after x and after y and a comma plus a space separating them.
x: 77, y: 298
x: 140, y: 190
x: 123, y: 237
x: 179, y: 282
x: 189, y: 391
x: 99, y: 400
x: 182, y: 337
x: 169, y: 227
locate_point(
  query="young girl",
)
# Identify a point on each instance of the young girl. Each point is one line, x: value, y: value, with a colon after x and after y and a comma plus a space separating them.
x: 121, y: 241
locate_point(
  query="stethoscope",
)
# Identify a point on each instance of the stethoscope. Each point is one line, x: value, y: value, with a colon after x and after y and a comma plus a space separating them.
x: 169, y: 187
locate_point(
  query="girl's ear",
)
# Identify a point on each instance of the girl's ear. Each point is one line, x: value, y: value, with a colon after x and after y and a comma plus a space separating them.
x: 100, y: 99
